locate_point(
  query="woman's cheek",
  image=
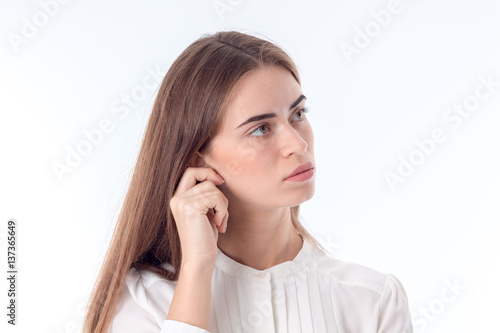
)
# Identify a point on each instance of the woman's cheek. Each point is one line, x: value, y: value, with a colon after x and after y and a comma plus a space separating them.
x: 236, y: 163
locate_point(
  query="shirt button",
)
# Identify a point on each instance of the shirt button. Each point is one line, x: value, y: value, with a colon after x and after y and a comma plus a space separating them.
x: 261, y: 275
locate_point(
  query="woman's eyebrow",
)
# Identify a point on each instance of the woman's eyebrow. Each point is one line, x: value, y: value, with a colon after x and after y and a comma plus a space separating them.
x: 270, y: 115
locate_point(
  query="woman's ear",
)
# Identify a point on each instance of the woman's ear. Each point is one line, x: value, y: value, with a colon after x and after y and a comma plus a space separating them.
x: 197, y: 161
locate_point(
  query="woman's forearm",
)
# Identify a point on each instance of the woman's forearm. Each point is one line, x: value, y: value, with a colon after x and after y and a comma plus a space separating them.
x: 192, y: 296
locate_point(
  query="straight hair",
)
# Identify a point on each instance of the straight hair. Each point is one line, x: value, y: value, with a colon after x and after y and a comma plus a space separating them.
x: 188, y: 111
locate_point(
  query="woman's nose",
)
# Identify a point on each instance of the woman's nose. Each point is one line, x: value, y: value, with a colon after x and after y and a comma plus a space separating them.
x: 293, y: 142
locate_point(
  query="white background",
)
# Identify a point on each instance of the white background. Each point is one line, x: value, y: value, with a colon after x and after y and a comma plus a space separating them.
x: 436, y: 227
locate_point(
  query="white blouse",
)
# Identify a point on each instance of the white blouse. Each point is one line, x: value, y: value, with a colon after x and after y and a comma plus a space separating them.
x: 312, y: 293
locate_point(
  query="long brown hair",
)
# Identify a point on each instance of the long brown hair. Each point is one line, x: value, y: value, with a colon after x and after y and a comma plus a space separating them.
x: 187, y: 113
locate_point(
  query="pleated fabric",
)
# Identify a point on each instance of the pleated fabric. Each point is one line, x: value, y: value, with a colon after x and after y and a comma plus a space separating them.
x: 312, y: 293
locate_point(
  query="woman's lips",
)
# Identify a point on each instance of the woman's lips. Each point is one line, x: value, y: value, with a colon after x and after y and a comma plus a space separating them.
x: 302, y: 168
x: 302, y: 176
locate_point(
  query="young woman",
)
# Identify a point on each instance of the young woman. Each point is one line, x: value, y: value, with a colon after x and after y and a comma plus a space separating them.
x: 208, y: 238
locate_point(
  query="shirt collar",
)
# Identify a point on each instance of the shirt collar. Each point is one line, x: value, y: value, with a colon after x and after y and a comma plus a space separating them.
x: 230, y: 266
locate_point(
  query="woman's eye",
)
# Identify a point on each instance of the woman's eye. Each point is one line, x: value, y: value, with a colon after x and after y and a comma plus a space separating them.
x: 302, y: 111
x: 266, y: 126
x: 259, y: 129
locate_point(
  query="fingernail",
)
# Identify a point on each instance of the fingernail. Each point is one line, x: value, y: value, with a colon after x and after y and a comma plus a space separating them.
x: 221, y: 178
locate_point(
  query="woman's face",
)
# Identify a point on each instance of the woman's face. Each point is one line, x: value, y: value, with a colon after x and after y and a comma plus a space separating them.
x: 255, y: 156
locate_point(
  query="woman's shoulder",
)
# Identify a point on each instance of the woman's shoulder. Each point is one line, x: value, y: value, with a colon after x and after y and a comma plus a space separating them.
x: 146, y: 292
x: 144, y: 285
x: 144, y: 302
x: 356, y: 286
x: 146, y: 279
x: 350, y: 274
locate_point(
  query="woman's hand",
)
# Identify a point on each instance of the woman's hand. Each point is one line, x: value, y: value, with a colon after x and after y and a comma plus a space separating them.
x: 193, y: 205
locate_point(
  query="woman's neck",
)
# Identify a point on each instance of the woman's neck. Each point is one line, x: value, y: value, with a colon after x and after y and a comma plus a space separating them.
x: 260, y: 239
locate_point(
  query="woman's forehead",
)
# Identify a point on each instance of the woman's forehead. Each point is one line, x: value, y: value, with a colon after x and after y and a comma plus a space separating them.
x: 268, y: 89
